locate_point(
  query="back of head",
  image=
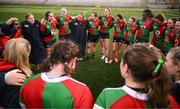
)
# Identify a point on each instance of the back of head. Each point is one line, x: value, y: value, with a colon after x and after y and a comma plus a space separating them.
x: 139, y: 55
x: 160, y: 16
x: 148, y: 13
x: 62, y: 53
x: 11, y: 20
x: 17, y: 52
x: 145, y: 63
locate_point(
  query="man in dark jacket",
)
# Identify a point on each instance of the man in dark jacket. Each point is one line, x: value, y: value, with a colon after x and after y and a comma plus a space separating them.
x: 78, y: 33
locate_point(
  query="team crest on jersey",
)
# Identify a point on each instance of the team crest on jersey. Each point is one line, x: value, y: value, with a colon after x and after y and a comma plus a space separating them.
x: 105, y: 23
x: 158, y: 33
x: 143, y: 27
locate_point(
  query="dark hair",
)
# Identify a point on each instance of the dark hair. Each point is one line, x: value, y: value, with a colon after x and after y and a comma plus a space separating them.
x: 133, y: 18
x: 62, y: 52
x: 160, y: 16
x: 142, y: 60
x: 47, y: 14
x: 148, y: 13
x: 174, y: 20
x: 120, y: 16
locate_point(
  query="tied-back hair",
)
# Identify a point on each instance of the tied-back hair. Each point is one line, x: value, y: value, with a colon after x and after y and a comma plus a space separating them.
x: 17, y: 52
x: 142, y: 59
x: 62, y: 52
x: 160, y: 16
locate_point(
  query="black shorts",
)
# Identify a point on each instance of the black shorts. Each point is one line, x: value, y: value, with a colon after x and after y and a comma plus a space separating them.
x: 118, y: 39
x: 142, y: 40
x: 92, y: 38
x: 65, y: 37
x: 104, y: 35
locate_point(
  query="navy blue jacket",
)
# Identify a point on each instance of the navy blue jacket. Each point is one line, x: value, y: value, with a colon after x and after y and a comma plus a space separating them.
x: 32, y: 34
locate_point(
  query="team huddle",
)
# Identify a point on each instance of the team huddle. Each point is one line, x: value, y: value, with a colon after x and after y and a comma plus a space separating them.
x: 92, y: 29
x: 60, y: 41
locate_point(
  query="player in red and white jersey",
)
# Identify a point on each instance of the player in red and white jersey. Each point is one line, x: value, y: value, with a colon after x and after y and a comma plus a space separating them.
x: 93, y: 33
x: 146, y: 81
x: 106, y: 22
x: 118, y: 39
x: 48, y: 31
x: 63, y: 21
x: 159, y: 28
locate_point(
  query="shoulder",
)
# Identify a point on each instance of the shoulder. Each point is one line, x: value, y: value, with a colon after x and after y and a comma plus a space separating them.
x: 24, y: 22
x: 31, y: 78
x: 36, y: 22
x: 112, y: 18
x: 76, y: 86
x: 57, y: 17
x: 113, y: 91
x: 76, y: 82
x: 172, y: 102
x: 69, y: 17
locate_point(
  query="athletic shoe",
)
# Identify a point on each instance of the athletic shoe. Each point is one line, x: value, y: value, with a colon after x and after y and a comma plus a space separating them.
x: 81, y: 59
x: 78, y: 59
x: 106, y: 60
x: 103, y: 56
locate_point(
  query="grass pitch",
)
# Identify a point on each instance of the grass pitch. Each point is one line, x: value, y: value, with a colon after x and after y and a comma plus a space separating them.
x: 93, y: 72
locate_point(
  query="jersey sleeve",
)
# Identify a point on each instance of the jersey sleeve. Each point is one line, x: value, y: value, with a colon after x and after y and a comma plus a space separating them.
x: 100, y: 101
x: 86, y: 100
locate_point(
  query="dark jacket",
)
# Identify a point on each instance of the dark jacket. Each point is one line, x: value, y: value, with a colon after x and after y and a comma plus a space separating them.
x: 9, y: 95
x: 78, y: 34
x: 5, y: 35
x: 175, y: 91
x: 32, y: 34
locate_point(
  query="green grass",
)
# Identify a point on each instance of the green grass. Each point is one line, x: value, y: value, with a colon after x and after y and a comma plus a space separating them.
x: 93, y: 72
